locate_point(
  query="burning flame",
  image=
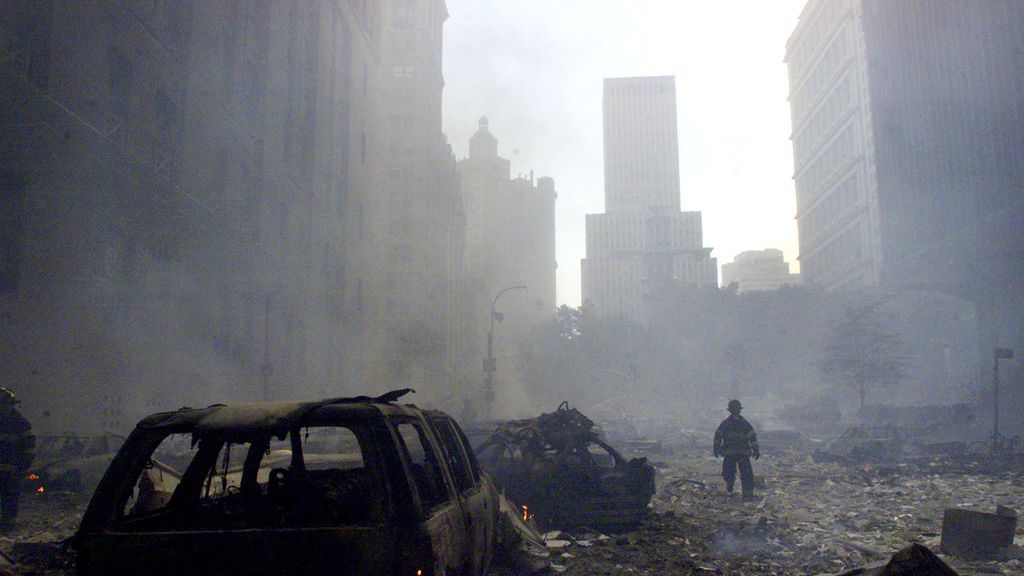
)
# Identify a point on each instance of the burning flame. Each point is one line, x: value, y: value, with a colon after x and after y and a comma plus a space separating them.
x: 32, y: 476
x: 526, y: 512
x: 40, y: 490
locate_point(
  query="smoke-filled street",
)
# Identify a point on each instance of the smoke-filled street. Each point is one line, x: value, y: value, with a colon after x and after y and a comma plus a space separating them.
x: 807, y: 518
x: 511, y: 287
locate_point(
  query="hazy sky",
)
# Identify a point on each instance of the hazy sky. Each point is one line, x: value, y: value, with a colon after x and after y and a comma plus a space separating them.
x: 535, y: 69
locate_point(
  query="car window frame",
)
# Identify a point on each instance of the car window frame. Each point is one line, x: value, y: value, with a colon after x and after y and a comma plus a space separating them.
x: 432, y: 445
x: 448, y: 434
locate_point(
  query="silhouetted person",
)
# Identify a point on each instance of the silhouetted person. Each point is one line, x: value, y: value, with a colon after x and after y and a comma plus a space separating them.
x: 736, y: 441
x: 17, y: 445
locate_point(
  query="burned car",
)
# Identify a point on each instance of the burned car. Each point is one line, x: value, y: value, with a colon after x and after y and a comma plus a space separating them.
x: 339, y: 486
x: 70, y: 464
x: 860, y: 444
x: 562, y: 474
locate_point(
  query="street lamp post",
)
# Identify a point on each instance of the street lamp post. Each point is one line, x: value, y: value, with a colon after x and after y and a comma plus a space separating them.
x: 1006, y: 354
x: 490, y: 364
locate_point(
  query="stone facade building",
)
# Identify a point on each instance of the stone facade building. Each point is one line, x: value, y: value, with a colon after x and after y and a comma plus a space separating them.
x: 643, y: 242
x: 510, y: 234
x: 192, y: 202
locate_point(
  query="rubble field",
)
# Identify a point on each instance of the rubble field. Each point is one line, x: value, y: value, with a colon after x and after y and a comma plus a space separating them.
x: 807, y: 518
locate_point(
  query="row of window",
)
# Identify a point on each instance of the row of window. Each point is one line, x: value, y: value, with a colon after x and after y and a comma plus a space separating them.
x: 844, y: 253
x: 832, y: 211
x: 815, y: 35
x: 806, y: 95
x: 824, y: 120
x: 622, y: 281
x: 819, y: 175
x: 643, y: 196
x: 612, y: 280
x: 335, y: 459
x: 624, y: 89
x: 682, y: 231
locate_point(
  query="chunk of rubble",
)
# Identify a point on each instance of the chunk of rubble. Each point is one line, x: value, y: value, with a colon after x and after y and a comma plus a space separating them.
x: 914, y: 560
x: 973, y: 535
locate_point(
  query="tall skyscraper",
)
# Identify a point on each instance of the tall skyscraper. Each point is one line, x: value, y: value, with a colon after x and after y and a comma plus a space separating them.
x: 908, y: 119
x: 643, y: 240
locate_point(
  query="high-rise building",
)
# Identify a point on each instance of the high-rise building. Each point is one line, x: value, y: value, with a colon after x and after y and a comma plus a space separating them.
x: 758, y: 271
x: 175, y: 187
x: 908, y: 119
x: 409, y: 263
x: 510, y: 232
x: 643, y: 240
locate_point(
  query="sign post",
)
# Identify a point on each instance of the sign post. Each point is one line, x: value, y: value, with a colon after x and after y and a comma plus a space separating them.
x: 1006, y: 354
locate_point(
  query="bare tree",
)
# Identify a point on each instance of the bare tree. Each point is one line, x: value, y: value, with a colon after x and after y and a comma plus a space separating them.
x: 863, y: 354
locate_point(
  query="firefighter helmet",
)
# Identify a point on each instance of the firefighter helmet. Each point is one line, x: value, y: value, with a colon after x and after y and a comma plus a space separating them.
x: 8, y: 397
x: 735, y: 406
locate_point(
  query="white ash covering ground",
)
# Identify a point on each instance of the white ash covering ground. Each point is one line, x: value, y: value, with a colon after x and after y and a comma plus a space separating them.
x: 807, y: 518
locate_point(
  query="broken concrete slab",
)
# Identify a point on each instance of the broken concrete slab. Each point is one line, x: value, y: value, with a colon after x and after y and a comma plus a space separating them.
x: 972, y: 535
x: 914, y: 560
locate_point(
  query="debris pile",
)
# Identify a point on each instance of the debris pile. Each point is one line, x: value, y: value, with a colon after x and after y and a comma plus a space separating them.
x: 808, y: 518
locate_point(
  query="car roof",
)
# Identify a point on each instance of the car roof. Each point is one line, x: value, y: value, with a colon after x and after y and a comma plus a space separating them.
x: 247, y: 418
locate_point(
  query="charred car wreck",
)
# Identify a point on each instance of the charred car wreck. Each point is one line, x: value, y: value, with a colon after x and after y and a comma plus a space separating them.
x: 562, y: 474
x: 341, y: 486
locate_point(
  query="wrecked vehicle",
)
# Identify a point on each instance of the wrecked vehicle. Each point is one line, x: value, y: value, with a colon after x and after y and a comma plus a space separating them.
x: 861, y: 444
x: 562, y: 474
x: 817, y: 415
x: 70, y: 464
x: 339, y: 486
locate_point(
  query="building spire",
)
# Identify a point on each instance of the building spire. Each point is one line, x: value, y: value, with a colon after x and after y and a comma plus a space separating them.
x: 483, y: 144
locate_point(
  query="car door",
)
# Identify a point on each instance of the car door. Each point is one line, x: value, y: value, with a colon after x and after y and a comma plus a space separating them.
x: 442, y: 509
x: 479, y: 499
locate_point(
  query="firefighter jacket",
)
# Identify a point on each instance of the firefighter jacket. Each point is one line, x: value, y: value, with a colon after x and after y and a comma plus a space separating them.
x: 735, y: 437
x: 17, y: 444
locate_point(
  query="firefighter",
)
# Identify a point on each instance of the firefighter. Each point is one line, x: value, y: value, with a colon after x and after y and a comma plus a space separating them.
x: 17, y: 445
x: 736, y: 441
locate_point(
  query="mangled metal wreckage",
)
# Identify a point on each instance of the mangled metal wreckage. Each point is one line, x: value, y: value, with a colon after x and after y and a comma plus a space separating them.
x: 342, y: 486
x: 562, y: 474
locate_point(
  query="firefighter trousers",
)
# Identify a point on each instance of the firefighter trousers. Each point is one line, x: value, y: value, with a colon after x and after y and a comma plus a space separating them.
x: 10, y: 490
x: 729, y: 465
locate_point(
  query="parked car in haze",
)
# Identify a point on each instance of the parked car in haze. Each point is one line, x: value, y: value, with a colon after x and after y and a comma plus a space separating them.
x: 70, y: 464
x: 860, y: 444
